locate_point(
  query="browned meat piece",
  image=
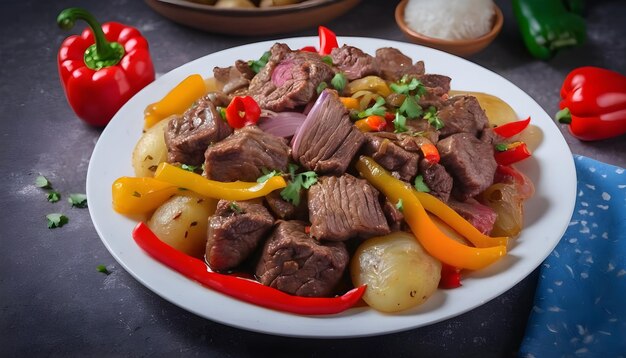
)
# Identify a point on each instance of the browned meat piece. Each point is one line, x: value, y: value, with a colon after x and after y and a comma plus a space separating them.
x: 383, y: 149
x: 188, y: 136
x: 344, y: 207
x: 480, y: 216
x: 393, y: 215
x: 353, y: 62
x: 235, y: 77
x: 470, y: 162
x: 289, y: 79
x: 285, y: 210
x: 297, y: 264
x: 327, y: 140
x: 462, y: 114
x: 234, y: 232
x: 437, y: 179
x: 437, y: 88
x: 394, y: 64
x: 244, y: 155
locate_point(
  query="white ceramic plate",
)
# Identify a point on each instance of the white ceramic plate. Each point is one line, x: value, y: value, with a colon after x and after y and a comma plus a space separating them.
x: 548, y: 212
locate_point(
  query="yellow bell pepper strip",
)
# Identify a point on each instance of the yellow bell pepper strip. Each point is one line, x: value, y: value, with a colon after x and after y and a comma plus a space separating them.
x: 369, y: 83
x: 457, y: 222
x: 349, y: 102
x: 237, y: 190
x: 136, y: 196
x: 176, y: 101
x: 427, y: 233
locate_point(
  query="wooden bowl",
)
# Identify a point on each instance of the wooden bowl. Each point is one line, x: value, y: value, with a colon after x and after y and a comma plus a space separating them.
x: 456, y: 47
x: 252, y: 22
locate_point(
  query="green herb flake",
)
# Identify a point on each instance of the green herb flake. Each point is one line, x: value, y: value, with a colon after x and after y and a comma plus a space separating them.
x: 267, y: 175
x: 377, y: 109
x: 433, y: 119
x: 78, y: 200
x: 56, y: 220
x: 189, y: 168
x: 420, y: 185
x: 322, y: 86
x: 136, y: 194
x: 399, y: 123
x: 404, y: 86
x: 339, y: 81
x: 304, y: 180
x: 42, y: 182
x: 257, y: 65
x: 222, y: 112
x: 400, y: 205
x: 502, y: 147
x: 235, y: 208
x: 411, y: 108
x: 328, y: 60
x: 53, y: 196
x: 103, y: 269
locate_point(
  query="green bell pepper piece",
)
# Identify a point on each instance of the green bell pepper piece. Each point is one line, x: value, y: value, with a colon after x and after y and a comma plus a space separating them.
x: 550, y: 25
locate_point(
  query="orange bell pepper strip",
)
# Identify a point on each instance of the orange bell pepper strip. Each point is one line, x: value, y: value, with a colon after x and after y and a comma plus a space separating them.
x: 176, y: 101
x: 137, y: 196
x: 237, y: 190
x: 349, y: 102
x: 437, y: 244
x: 457, y: 222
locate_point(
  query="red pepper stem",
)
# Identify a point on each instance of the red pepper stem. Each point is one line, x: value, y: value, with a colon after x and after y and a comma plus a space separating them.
x: 103, y: 53
x: 564, y: 116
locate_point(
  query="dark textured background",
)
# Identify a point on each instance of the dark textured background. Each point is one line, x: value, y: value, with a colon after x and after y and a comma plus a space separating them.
x: 52, y: 299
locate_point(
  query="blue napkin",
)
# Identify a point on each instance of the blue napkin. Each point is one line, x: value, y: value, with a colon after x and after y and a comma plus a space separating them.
x: 580, y: 302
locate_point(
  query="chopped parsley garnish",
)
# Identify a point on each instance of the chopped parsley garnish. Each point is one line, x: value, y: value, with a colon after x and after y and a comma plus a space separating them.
x: 78, y: 200
x: 339, y: 81
x: 103, y: 269
x: 222, y: 112
x: 377, y: 109
x: 267, y: 175
x: 42, y: 182
x: 433, y: 119
x: 404, y: 86
x: 400, y: 205
x: 420, y: 185
x: 235, y: 208
x: 304, y: 180
x: 53, y: 196
x: 189, y: 168
x: 399, y: 123
x: 502, y: 147
x: 328, y: 60
x: 411, y: 108
x: 322, y: 86
x: 56, y: 220
x: 257, y: 65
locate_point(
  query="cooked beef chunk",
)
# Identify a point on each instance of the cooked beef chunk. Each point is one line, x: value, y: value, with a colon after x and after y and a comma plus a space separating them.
x: 490, y: 136
x: 234, y: 232
x: 480, y: 216
x: 393, y: 215
x: 436, y: 179
x: 244, y: 155
x: 235, y: 77
x: 391, y: 156
x: 327, y: 140
x: 470, y: 162
x: 344, y: 207
x: 353, y: 62
x: 394, y: 64
x: 462, y: 114
x: 437, y: 88
x: 413, y: 143
x: 424, y: 129
x: 289, y: 79
x: 285, y: 210
x: 188, y: 136
x: 297, y: 264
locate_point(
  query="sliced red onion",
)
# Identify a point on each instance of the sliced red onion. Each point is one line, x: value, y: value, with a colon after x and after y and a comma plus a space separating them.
x: 310, y: 119
x: 281, y: 124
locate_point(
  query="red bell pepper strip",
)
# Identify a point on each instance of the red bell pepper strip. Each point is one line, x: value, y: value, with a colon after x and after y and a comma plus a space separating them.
x: 593, y: 103
x: 376, y: 123
x: 328, y: 40
x: 103, y: 67
x: 450, y: 276
x: 309, y: 49
x: 237, y: 287
x: 242, y: 111
x: 512, y: 128
x: 512, y: 153
x: 431, y: 154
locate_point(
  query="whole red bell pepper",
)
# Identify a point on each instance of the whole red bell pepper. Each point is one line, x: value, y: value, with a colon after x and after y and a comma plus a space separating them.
x: 103, y: 67
x: 593, y: 103
x: 241, y: 288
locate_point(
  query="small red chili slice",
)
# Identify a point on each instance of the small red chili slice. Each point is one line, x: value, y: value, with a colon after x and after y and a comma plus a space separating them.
x: 510, y: 129
x: 450, y: 276
x: 515, y: 152
x: 328, y: 40
x: 430, y: 152
x: 376, y: 123
x: 242, y: 111
x: 240, y: 288
x: 309, y: 49
x: 390, y: 116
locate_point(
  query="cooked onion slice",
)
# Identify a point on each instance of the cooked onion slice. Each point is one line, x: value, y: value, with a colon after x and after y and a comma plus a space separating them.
x: 281, y: 124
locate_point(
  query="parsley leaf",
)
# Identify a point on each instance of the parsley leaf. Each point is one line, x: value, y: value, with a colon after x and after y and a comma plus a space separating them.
x: 322, y: 86
x: 400, y: 205
x: 56, y: 220
x: 339, y: 81
x: 304, y: 180
x: 78, y: 200
x: 189, y: 168
x: 327, y: 60
x: 267, y: 175
x: 433, y: 119
x: 257, y: 65
x: 377, y: 109
x: 235, y: 208
x: 420, y: 185
x: 411, y: 108
x: 402, y: 87
x: 399, y: 123
x: 53, y: 196
x: 103, y: 269
x: 43, y: 182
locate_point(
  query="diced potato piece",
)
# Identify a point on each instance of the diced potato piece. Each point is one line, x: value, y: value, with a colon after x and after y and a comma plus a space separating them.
x: 150, y: 150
